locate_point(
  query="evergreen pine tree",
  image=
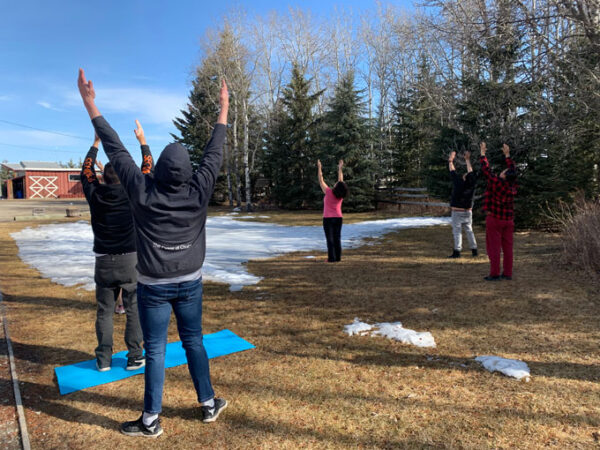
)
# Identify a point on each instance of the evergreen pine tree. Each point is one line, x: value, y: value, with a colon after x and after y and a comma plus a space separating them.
x: 290, y: 145
x: 344, y: 136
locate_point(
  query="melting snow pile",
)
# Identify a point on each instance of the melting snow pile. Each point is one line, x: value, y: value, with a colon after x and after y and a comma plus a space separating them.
x: 63, y: 252
x: 510, y: 367
x: 393, y: 331
x: 357, y: 327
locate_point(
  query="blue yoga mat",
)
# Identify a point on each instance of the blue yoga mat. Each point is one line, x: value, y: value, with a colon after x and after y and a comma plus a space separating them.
x: 84, y: 374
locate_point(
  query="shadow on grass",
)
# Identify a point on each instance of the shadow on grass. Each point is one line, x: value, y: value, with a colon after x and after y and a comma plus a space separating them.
x: 51, y: 356
x: 377, y: 357
x: 51, y: 302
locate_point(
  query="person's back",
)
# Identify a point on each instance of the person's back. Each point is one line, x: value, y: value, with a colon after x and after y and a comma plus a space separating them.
x: 463, y: 190
x: 112, y: 220
x: 114, y: 268
x: 169, y: 211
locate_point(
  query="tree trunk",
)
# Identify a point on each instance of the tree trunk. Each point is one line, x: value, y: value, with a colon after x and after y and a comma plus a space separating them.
x: 245, y: 155
x: 236, y: 173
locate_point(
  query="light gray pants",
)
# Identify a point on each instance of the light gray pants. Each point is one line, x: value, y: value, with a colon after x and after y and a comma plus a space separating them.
x: 462, y: 219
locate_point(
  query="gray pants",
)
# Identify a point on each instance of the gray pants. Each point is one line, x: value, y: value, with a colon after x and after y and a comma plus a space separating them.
x: 114, y: 273
x: 462, y: 219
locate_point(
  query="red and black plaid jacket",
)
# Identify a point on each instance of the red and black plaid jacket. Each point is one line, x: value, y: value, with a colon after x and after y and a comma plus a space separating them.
x: 499, y: 194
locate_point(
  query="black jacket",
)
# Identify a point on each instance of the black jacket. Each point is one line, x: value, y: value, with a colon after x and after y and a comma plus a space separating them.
x: 170, y: 208
x: 112, y: 221
x: 462, y: 190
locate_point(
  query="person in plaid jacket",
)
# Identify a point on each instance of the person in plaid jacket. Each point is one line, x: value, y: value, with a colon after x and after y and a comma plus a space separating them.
x: 499, y: 223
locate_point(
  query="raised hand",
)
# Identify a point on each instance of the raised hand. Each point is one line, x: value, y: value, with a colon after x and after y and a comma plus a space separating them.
x: 224, y: 95
x: 86, y: 88
x: 319, y: 164
x: 96, y: 141
x: 506, y: 150
x: 482, y: 148
x: 467, y: 155
x: 100, y: 165
x: 139, y: 133
x: 341, y: 164
x: 452, y: 156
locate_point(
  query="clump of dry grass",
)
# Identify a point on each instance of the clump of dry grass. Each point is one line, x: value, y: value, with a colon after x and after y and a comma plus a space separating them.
x: 580, y: 226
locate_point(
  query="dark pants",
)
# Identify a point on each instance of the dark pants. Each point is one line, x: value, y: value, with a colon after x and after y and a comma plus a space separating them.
x: 499, y: 238
x: 114, y: 273
x: 333, y: 234
x: 155, y: 305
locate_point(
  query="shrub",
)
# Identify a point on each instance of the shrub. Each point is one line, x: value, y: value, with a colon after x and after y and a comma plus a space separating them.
x: 580, y: 226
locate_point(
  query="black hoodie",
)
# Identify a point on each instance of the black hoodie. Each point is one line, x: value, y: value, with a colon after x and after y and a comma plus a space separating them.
x: 112, y: 221
x: 170, y: 208
x: 462, y: 190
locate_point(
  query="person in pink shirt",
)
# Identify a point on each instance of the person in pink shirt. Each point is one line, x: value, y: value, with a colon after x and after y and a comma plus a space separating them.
x: 332, y: 212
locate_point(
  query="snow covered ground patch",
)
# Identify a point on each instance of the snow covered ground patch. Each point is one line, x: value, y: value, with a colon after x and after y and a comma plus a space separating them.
x: 63, y: 252
x: 509, y: 367
x: 391, y: 330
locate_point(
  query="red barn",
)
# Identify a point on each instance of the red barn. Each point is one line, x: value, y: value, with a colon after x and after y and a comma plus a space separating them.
x: 36, y: 179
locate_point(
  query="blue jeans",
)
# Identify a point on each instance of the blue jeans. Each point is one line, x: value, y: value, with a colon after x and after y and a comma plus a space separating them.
x: 154, y: 305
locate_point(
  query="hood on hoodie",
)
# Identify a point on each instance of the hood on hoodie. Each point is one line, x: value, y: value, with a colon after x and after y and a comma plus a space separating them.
x: 173, y: 167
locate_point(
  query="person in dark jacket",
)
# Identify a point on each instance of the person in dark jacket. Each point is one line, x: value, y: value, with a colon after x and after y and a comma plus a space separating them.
x: 461, y: 204
x: 114, y: 246
x: 169, y: 211
x: 148, y: 169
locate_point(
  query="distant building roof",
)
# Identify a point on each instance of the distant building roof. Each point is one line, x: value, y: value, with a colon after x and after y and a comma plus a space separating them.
x: 28, y: 165
x: 38, y: 165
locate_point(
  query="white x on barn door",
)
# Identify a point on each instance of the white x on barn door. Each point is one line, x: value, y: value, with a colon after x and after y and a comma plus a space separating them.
x: 41, y: 184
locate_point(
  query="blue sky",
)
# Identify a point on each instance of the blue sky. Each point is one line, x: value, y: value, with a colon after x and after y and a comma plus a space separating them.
x: 139, y: 54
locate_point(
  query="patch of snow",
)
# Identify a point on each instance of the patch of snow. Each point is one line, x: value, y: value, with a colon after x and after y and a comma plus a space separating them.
x: 509, y: 367
x: 310, y: 257
x: 393, y: 330
x: 357, y: 327
x: 396, y: 332
x: 63, y: 252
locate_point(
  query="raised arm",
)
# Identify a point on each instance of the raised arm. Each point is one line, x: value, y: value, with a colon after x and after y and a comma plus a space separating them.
x: 340, y: 173
x: 485, y: 165
x: 322, y: 183
x: 468, y: 162
x: 451, y: 161
x: 510, y: 164
x: 89, y: 180
x: 206, y: 175
x: 147, y: 160
x: 129, y: 174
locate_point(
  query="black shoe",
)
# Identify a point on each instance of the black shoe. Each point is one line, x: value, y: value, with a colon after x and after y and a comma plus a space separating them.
x: 210, y: 414
x: 137, y: 428
x: 504, y: 277
x: 474, y: 252
x: 135, y: 363
x: 455, y: 254
x: 490, y: 278
x: 102, y: 368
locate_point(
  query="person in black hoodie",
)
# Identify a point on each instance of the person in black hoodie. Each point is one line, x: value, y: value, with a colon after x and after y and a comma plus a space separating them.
x: 169, y: 211
x: 461, y: 203
x: 147, y: 168
x: 114, y: 246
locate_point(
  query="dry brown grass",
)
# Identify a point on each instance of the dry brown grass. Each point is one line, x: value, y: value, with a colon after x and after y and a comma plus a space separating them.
x: 307, y: 385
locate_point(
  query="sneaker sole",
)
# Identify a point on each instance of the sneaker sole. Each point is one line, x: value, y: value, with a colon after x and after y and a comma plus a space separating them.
x: 212, y: 419
x: 135, y: 367
x: 142, y: 434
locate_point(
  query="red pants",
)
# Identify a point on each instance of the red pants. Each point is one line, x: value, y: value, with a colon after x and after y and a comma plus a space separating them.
x: 499, y: 237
